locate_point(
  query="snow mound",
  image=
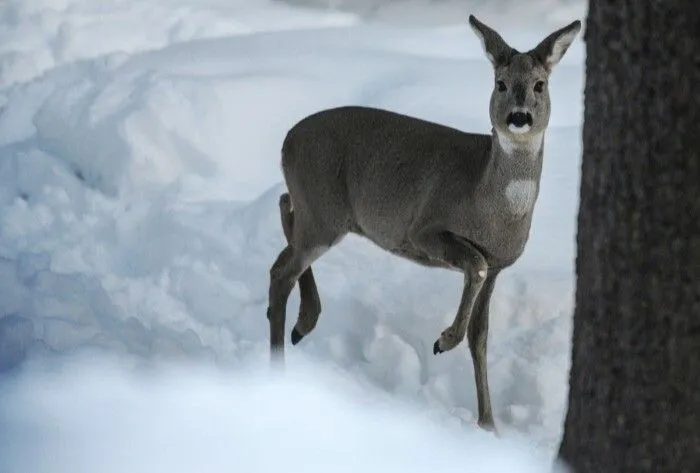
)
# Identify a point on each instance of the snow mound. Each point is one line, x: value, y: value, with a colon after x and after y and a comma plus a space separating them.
x: 39, y: 35
x: 139, y: 181
x: 104, y: 415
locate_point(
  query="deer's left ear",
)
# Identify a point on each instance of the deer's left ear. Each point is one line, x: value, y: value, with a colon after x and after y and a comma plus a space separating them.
x: 495, y: 47
x: 553, y: 47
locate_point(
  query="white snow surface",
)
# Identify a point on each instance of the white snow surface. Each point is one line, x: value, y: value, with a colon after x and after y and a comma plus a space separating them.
x: 113, y: 416
x: 139, y: 180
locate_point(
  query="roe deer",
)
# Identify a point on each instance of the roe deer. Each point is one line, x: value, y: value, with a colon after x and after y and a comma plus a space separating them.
x: 429, y: 193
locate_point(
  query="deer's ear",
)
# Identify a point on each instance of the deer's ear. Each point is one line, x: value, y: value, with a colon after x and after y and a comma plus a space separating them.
x: 553, y: 47
x: 496, y: 49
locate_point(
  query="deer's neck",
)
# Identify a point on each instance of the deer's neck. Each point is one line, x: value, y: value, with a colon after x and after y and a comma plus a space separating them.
x: 516, y: 171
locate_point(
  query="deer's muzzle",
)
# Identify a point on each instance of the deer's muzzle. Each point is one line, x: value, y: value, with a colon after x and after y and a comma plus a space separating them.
x: 519, y: 119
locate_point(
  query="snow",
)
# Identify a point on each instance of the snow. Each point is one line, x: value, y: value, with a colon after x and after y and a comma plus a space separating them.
x: 118, y: 417
x: 139, y: 180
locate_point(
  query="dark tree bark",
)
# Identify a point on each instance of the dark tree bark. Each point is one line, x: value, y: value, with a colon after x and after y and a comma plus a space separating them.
x: 634, y: 401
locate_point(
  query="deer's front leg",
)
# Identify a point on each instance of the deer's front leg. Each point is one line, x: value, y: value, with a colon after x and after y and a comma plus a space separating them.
x: 462, y: 255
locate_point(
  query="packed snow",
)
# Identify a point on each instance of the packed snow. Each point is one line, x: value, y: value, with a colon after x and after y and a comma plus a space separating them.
x: 139, y: 181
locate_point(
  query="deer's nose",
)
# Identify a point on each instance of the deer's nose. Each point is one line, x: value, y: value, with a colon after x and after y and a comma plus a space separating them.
x: 519, y: 119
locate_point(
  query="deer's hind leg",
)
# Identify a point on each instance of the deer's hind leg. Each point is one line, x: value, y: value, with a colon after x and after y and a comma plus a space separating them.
x: 309, y: 241
x: 310, y: 305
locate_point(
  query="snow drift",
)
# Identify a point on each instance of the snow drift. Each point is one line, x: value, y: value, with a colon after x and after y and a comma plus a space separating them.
x: 139, y: 179
x: 108, y: 415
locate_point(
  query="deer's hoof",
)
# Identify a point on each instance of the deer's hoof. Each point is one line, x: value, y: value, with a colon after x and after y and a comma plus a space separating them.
x: 296, y: 336
x: 489, y: 427
x: 449, y: 339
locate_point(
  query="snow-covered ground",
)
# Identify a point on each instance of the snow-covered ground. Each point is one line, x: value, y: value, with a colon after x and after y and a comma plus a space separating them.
x: 139, y: 179
x: 104, y: 416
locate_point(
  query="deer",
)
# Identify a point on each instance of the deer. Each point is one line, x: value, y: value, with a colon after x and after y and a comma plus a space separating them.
x: 423, y: 191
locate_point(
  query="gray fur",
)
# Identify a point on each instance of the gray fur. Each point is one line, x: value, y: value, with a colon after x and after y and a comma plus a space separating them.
x: 432, y: 194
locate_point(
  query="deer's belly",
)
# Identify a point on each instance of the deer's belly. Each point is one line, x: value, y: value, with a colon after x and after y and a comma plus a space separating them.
x: 404, y: 249
x: 414, y: 254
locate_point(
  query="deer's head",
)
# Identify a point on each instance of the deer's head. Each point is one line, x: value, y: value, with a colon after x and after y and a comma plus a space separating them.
x: 520, y: 104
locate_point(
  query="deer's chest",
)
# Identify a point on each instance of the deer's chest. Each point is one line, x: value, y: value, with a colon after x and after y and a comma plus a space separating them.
x: 520, y: 196
x: 499, y: 220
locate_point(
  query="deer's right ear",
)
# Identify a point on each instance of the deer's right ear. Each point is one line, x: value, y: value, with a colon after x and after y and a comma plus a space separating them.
x: 553, y: 47
x: 495, y: 47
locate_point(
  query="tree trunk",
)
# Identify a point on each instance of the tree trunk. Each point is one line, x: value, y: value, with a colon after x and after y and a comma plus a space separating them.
x: 634, y: 400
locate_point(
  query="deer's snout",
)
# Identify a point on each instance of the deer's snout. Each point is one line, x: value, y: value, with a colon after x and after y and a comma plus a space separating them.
x: 519, y: 122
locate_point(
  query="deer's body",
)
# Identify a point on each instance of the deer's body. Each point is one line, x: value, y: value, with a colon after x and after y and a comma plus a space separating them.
x: 430, y: 193
x: 385, y: 174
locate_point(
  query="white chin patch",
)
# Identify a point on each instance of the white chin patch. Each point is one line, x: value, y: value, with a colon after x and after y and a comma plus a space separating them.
x: 519, y: 129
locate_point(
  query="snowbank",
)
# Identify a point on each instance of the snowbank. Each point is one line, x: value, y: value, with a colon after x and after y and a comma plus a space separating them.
x: 139, y: 181
x: 104, y: 415
x: 38, y: 35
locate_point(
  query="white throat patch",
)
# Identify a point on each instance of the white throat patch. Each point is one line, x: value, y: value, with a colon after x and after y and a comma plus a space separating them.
x: 532, y: 146
x: 521, y: 194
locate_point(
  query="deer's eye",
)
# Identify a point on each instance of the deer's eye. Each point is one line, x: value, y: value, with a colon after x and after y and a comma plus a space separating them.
x: 501, y: 86
x: 539, y: 86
